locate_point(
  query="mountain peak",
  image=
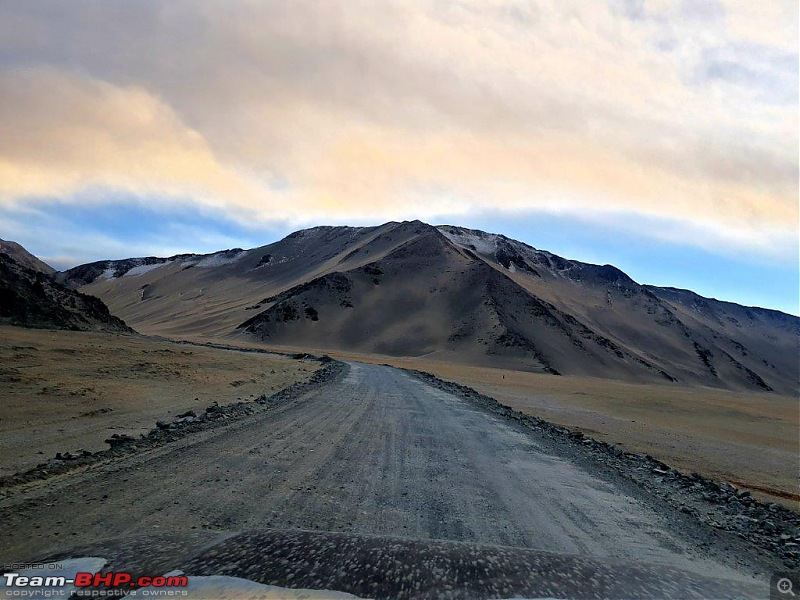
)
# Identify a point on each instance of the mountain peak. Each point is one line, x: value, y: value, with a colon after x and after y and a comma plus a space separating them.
x: 25, y: 258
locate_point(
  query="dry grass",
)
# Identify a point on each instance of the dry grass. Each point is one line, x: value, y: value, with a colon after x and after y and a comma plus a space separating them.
x: 62, y: 390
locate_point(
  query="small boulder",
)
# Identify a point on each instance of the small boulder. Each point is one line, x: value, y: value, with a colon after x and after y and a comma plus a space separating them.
x: 118, y: 440
x: 768, y: 526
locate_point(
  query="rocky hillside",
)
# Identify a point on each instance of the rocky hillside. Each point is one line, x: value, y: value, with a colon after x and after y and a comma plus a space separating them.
x: 25, y: 258
x: 31, y: 298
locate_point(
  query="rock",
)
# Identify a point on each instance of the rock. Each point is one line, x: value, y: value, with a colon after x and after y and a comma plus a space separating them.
x: 163, y: 425
x: 118, y: 440
x: 768, y: 526
x: 72, y: 455
x: 742, y: 522
x: 188, y: 413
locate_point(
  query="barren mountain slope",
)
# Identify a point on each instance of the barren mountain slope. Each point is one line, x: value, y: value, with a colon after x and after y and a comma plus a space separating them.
x: 30, y: 298
x: 409, y: 289
x: 428, y: 298
x: 210, y: 295
x: 695, y: 339
x: 25, y: 258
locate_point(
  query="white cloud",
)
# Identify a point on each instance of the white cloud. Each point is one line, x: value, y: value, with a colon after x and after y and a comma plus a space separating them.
x: 308, y: 111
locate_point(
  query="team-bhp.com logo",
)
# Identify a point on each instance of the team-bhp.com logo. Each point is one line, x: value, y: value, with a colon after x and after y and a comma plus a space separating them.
x: 111, y: 580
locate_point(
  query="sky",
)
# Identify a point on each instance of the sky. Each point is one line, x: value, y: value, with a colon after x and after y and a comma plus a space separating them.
x: 659, y: 136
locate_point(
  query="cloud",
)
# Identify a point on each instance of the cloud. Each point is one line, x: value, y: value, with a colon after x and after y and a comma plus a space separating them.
x: 312, y: 112
x: 62, y: 133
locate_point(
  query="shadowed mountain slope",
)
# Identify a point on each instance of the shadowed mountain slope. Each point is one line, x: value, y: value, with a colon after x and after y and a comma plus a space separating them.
x: 25, y: 258
x: 410, y: 289
x: 30, y: 298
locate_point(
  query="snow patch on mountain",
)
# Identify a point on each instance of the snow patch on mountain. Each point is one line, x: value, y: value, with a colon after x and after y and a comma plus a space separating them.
x: 226, y: 257
x: 142, y: 269
x: 478, y: 241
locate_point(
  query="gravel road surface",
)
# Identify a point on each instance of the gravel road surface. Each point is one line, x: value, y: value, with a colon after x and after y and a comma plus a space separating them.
x: 375, y: 455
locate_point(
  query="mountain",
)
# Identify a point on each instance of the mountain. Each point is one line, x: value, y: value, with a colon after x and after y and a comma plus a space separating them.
x: 25, y: 258
x: 449, y: 293
x: 31, y: 298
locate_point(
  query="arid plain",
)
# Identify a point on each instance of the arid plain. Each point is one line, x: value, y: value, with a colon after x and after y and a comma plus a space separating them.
x: 67, y: 390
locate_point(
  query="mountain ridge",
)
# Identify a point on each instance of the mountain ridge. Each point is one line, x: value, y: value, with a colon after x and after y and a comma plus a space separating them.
x: 460, y: 294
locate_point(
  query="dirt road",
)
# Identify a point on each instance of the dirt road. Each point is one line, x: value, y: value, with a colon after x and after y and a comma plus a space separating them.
x: 376, y: 453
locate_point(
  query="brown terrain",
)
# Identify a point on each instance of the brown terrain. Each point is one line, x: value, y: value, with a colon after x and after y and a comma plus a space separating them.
x: 66, y: 390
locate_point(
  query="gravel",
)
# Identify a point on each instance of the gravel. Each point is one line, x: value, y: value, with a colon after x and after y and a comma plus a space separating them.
x: 771, y: 528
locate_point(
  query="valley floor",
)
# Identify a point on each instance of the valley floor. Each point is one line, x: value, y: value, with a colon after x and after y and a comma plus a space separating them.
x: 375, y: 453
x: 66, y: 390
